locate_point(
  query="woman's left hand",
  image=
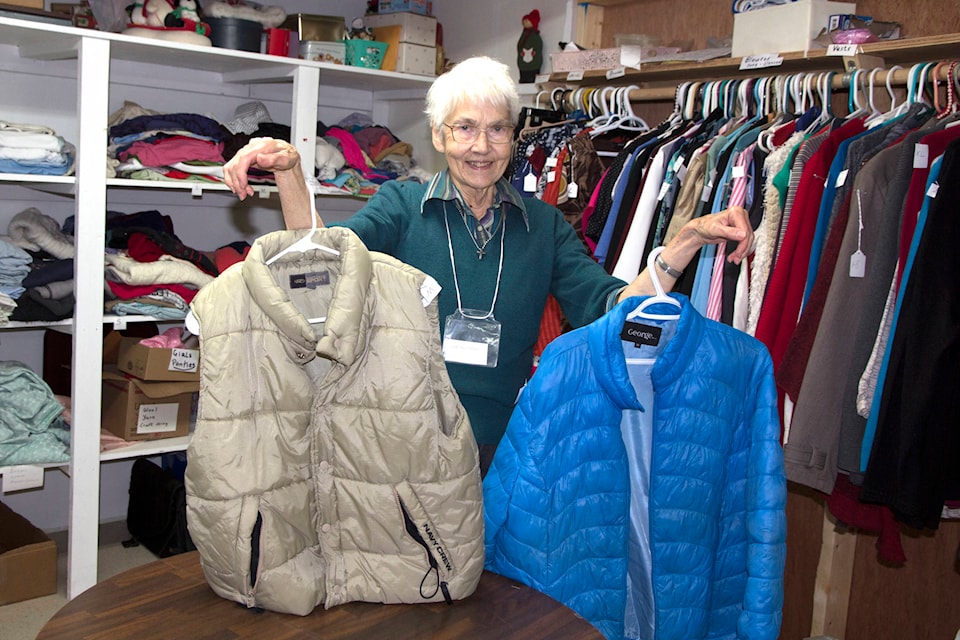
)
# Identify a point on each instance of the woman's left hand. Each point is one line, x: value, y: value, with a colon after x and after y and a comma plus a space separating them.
x: 729, y: 225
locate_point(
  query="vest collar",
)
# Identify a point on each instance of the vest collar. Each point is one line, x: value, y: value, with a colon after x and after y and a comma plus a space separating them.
x: 342, y: 336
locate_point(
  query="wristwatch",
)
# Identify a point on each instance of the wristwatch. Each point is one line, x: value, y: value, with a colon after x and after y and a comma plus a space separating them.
x: 667, y: 269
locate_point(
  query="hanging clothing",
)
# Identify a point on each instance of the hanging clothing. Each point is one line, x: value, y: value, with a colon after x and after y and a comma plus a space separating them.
x: 326, y: 456
x: 558, y: 495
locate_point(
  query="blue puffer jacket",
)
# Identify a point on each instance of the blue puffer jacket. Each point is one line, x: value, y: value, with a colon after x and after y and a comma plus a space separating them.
x: 557, y: 496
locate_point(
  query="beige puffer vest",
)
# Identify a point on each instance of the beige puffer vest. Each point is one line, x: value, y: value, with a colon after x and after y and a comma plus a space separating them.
x: 332, y: 461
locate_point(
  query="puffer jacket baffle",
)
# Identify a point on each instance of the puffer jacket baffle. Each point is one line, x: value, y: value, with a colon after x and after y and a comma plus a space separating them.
x: 332, y: 461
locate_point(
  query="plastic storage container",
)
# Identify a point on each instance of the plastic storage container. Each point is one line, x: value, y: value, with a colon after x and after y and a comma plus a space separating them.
x: 365, y: 53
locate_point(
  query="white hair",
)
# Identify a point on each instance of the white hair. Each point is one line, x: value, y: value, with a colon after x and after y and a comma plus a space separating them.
x: 480, y: 80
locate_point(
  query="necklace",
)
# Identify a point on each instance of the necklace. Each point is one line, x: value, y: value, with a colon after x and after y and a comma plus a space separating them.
x: 473, y: 236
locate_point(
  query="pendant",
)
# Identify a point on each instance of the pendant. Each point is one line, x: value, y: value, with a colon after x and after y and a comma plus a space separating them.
x: 480, y: 253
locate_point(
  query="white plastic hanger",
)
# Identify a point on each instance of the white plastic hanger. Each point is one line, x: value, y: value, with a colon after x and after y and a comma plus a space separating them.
x: 306, y: 243
x: 660, y: 298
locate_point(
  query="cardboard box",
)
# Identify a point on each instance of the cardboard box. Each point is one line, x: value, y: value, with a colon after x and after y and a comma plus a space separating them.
x: 316, y: 28
x: 155, y: 364
x: 29, y: 4
x: 415, y: 29
x: 28, y: 559
x: 423, y: 7
x: 416, y: 59
x: 586, y: 60
x: 140, y: 410
x: 788, y: 27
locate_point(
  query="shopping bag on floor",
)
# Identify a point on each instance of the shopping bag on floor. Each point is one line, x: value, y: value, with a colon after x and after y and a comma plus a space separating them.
x: 157, y: 510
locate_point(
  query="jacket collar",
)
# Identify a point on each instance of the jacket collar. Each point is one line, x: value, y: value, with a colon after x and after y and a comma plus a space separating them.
x: 343, y: 335
x: 606, y: 350
x: 442, y: 188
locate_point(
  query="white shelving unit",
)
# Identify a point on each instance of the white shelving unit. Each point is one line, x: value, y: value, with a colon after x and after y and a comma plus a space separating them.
x: 99, y: 63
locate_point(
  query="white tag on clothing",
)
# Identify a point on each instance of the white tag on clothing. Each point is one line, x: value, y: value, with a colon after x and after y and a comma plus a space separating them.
x: 921, y: 156
x: 841, y: 178
x: 858, y: 264
x: 530, y: 183
x: 933, y: 190
x: 429, y: 290
x: 572, y: 190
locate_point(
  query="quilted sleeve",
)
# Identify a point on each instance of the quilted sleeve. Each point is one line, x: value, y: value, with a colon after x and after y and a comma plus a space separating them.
x: 766, y: 499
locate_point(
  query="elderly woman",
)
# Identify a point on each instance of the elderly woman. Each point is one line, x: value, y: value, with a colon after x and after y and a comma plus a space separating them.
x: 496, y: 254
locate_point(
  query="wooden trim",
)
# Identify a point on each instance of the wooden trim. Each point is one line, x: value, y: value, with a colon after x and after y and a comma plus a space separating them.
x: 831, y: 595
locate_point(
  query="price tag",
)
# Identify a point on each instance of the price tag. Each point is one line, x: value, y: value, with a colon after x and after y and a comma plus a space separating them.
x: 529, y: 183
x: 263, y: 192
x: 574, y: 76
x: 841, y: 178
x: 572, y: 190
x: 858, y: 264
x: 933, y: 190
x: 429, y: 289
x: 761, y: 61
x: 663, y: 191
x: 22, y: 477
x: 196, y: 191
x: 551, y: 161
x: 738, y: 171
x: 541, y: 78
x: 619, y: 72
x: 921, y: 156
x: 551, y: 176
x: 845, y: 50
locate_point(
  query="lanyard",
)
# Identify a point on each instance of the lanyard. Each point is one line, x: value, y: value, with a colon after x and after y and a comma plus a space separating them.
x: 453, y: 265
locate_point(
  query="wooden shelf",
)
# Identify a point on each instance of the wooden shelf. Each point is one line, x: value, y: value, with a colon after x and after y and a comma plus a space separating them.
x: 902, y: 52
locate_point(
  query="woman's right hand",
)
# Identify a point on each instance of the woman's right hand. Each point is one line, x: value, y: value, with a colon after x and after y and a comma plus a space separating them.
x: 268, y: 154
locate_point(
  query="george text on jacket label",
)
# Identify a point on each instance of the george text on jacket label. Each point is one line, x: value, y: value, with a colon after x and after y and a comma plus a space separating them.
x: 640, y: 334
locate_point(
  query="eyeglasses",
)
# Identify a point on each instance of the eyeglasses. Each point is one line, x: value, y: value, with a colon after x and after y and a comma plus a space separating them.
x: 467, y: 133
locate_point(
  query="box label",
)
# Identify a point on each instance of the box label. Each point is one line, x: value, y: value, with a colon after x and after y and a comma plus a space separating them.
x: 22, y: 477
x: 157, y: 418
x: 184, y: 360
x: 761, y: 61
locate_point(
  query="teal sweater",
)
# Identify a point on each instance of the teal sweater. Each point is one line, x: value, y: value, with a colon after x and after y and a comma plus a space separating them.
x: 546, y: 258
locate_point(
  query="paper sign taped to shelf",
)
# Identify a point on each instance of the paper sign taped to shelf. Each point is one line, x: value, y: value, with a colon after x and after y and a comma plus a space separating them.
x: 761, y: 61
x: 157, y: 418
x: 845, y: 50
x: 22, y: 477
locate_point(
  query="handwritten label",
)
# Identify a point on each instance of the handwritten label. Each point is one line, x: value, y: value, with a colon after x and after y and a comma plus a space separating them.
x: 157, y: 418
x: 619, y: 72
x: 185, y: 360
x: 761, y: 61
x: 845, y: 50
x: 541, y: 78
x: 22, y: 477
x: 921, y: 156
x: 574, y: 76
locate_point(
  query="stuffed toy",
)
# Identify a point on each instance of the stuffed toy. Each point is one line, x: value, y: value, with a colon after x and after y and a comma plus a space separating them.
x: 177, y: 21
x: 270, y: 17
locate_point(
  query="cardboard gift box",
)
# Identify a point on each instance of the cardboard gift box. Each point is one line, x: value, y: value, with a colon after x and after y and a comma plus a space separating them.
x: 28, y: 559
x: 156, y: 364
x: 423, y: 7
x: 414, y: 28
x: 787, y: 27
x: 135, y: 409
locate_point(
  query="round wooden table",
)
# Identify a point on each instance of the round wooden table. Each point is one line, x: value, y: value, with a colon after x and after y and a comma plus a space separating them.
x: 170, y: 598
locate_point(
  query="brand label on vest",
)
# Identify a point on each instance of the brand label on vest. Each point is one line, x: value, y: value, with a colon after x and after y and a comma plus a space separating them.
x: 640, y: 334
x: 310, y: 280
